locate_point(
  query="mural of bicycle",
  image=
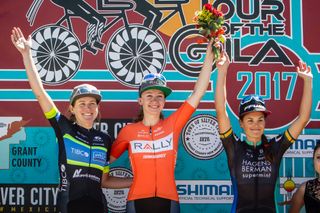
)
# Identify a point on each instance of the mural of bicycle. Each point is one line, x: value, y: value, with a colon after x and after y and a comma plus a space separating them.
x: 132, y: 51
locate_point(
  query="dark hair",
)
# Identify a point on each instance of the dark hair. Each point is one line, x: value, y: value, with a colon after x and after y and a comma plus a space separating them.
x: 315, y: 149
x: 141, y: 116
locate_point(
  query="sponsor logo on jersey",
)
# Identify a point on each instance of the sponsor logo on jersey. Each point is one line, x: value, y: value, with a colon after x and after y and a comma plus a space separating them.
x: 77, y: 174
x: 160, y: 145
x: 81, y: 137
x: 97, y: 139
x: 143, y: 134
x: 63, y: 180
x: 79, y: 152
x: 200, y: 137
x: 99, y: 156
x: 252, y: 169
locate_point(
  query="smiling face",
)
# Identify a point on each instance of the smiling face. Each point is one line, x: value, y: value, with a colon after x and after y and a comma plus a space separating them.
x: 152, y: 101
x: 253, y: 125
x: 316, y: 159
x: 85, y: 110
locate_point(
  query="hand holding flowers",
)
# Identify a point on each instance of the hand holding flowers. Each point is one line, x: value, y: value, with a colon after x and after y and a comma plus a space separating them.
x: 209, y: 22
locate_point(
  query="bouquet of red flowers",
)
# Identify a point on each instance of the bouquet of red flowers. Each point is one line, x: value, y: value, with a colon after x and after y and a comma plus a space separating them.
x: 209, y: 22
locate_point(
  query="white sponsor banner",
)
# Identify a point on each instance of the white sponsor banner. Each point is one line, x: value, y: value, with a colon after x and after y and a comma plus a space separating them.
x: 205, y: 191
x: 302, y: 147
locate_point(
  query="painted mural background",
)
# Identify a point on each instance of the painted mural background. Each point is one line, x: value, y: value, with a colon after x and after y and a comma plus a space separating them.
x: 112, y: 45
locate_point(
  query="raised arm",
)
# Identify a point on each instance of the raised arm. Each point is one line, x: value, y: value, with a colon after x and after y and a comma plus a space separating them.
x: 296, y: 127
x: 221, y: 94
x: 24, y: 47
x: 202, y: 83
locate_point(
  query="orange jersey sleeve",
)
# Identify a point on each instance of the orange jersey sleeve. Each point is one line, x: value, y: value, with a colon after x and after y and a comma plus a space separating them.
x: 121, y: 143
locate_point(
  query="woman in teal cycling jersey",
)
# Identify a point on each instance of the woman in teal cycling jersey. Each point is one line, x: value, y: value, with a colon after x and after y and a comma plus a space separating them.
x: 83, y: 151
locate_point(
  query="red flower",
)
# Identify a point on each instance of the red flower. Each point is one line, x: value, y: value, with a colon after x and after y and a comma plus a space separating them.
x: 215, y: 12
x: 210, y: 21
x: 208, y: 7
x: 213, y: 34
x: 220, y: 31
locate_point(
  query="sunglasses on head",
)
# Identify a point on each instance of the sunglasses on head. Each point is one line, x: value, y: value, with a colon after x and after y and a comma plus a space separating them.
x: 81, y: 91
x: 250, y: 98
x: 154, y: 79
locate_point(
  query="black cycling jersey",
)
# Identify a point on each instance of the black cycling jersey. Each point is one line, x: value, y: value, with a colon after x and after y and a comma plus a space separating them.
x: 253, y: 177
x: 312, y: 196
x: 83, y: 158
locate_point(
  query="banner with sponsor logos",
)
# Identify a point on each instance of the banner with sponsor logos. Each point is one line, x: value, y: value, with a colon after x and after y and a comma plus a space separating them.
x: 112, y: 45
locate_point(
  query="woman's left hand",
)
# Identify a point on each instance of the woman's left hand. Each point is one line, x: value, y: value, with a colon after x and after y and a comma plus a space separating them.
x: 304, y: 71
x: 223, y: 62
x: 22, y: 44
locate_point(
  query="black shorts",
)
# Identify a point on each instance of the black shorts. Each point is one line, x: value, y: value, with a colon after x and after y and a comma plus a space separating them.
x: 153, y: 205
x: 86, y: 205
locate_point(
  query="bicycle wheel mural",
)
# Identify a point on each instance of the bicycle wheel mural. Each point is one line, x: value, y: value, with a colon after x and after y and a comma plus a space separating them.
x: 133, y: 52
x: 57, y: 54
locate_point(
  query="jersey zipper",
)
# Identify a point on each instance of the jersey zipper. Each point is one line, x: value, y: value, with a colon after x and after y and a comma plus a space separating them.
x: 89, y: 169
x: 256, y: 197
x: 155, y: 163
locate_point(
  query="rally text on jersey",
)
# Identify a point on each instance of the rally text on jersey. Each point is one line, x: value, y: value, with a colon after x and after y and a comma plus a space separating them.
x: 160, y: 145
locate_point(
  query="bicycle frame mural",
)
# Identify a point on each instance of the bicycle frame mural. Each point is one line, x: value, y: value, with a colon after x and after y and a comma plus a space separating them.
x: 112, y: 44
x: 130, y: 53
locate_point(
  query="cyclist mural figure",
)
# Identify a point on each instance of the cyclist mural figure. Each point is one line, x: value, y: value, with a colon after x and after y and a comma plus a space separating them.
x: 254, y: 163
x: 83, y: 151
x: 152, y: 14
x: 96, y: 21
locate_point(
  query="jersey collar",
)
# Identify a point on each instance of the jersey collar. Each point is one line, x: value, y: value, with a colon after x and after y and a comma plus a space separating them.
x: 252, y: 144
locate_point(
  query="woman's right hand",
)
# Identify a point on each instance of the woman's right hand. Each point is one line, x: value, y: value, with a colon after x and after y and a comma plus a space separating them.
x: 23, y: 45
x: 304, y: 71
x: 223, y: 62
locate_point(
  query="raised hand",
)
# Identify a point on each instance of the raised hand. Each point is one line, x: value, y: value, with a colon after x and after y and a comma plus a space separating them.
x: 304, y: 71
x: 223, y: 62
x: 23, y: 45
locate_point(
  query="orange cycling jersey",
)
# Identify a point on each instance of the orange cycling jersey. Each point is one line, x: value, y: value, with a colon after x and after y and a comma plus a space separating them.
x: 152, y: 152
